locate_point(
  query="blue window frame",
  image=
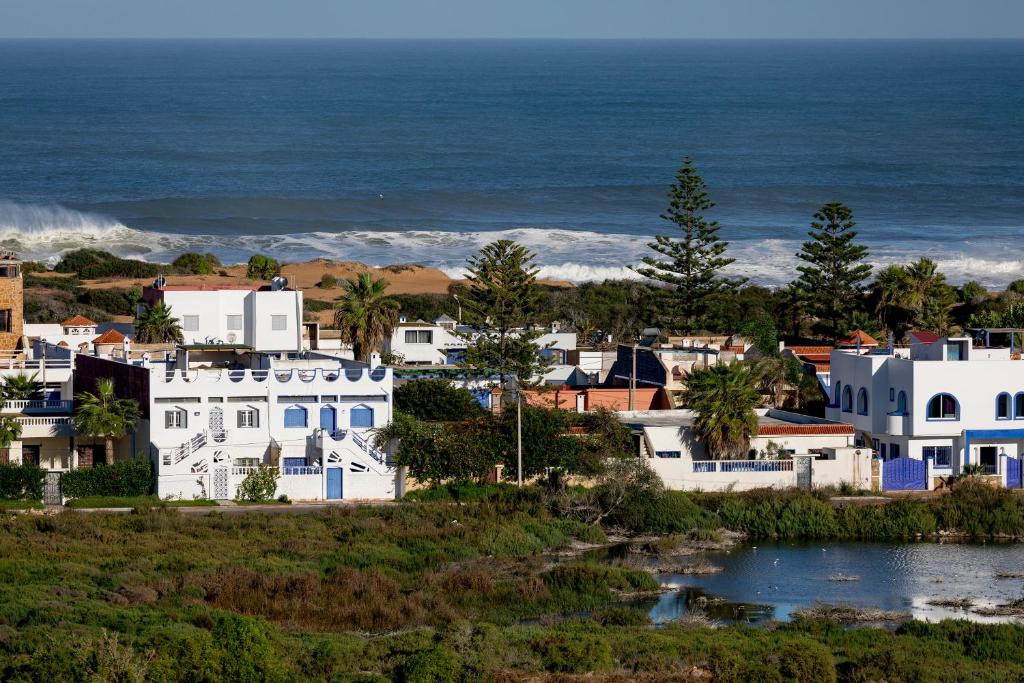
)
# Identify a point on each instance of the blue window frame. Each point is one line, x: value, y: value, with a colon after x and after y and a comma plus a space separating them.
x: 1003, y: 403
x: 847, y: 399
x: 943, y: 407
x: 862, y: 401
x: 940, y: 455
x: 668, y: 454
x: 837, y: 394
x: 1018, y: 406
x: 361, y: 416
x: 901, y: 403
x: 295, y: 416
x: 894, y: 451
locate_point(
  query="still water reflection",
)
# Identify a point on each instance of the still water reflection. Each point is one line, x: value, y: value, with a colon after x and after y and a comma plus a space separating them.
x: 773, y: 580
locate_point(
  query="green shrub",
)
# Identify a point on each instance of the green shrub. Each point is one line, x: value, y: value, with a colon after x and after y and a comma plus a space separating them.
x: 316, y: 305
x: 259, y: 486
x: 328, y: 281
x: 436, y: 665
x: 93, y: 263
x: 436, y: 400
x: 251, y: 654
x: 573, y: 651
x: 128, y: 478
x: 21, y: 482
x: 660, y: 512
x: 806, y: 662
x: 262, y: 267
x: 192, y: 263
x: 622, y: 616
x: 113, y: 301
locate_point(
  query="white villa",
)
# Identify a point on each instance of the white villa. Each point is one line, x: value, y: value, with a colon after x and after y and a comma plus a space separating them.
x: 939, y: 404
x: 788, y: 450
x: 46, y: 430
x: 442, y: 342
x: 267, y: 317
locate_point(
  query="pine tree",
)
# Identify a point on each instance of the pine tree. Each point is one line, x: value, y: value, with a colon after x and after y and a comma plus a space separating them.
x: 831, y: 280
x: 690, y: 265
x: 501, y: 298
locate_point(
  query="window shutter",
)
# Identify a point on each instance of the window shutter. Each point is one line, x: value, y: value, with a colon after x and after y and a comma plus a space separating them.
x: 168, y: 419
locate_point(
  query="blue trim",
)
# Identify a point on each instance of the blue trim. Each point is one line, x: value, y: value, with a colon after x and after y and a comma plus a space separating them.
x: 972, y: 434
x: 1017, y: 416
x: 847, y: 405
x: 927, y: 409
x: 296, y: 417
x: 862, y: 392
x: 901, y: 403
x: 1009, y: 406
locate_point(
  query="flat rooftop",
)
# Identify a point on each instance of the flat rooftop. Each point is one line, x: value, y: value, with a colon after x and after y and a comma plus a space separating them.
x: 769, y: 422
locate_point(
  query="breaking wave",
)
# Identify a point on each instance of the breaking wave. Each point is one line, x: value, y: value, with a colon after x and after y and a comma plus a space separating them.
x: 43, y: 232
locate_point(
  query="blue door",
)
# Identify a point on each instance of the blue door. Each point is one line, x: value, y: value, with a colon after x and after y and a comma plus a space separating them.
x: 328, y: 419
x: 334, y: 483
x: 1013, y: 472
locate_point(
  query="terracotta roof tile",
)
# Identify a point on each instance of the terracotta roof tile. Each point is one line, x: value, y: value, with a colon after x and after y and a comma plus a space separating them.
x: 865, y: 339
x: 924, y: 336
x: 799, y: 429
x: 78, y: 321
x: 109, y: 337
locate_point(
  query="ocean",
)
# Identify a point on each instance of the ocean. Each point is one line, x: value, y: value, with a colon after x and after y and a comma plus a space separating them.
x: 422, y: 151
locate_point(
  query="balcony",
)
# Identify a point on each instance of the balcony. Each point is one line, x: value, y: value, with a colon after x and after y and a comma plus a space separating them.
x: 39, y: 427
x: 897, y: 424
x: 35, y: 407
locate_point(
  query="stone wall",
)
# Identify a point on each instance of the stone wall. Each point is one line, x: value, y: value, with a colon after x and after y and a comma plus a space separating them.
x: 12, y: 297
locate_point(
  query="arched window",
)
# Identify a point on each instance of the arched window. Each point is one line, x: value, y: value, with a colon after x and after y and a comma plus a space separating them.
x: 361, y: 416
x: 295, y: 416
x: 943, y: 407
x: 1003, y: 406
x: 862, y: 401
x: 1018, y: 406
x: 847, y: 399
x: 837, y: 395
x: 901, y: 403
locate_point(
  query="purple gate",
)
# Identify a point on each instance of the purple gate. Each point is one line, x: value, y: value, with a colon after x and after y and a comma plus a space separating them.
x: 1013, y: 472
x: 904, y: 474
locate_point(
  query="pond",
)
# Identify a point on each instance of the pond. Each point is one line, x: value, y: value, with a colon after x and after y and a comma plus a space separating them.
x: 762, y: 581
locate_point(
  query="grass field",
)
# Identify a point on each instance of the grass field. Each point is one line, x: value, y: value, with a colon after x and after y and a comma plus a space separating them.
x: 134, y: 501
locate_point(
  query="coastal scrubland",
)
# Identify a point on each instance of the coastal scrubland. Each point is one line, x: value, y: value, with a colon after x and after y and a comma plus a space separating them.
x: 464, y: 584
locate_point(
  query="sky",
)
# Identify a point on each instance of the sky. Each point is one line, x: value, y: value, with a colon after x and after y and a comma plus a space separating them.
x: 512, y: 19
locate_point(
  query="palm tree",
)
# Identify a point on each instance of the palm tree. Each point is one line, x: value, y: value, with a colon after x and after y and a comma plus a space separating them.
x: 10, y: 431
x: 723, y: 397
x: 156, y: 325
x: 22, y: 388
x: 364, y: 315
x: 889, y: 290
x: 104, y: 415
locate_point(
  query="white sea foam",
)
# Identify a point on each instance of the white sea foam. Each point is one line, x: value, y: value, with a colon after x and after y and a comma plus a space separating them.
x: 44, y: 232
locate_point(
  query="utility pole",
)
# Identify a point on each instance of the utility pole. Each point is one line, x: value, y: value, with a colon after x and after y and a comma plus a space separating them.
x: 519, y: 436
x: 632, y: 382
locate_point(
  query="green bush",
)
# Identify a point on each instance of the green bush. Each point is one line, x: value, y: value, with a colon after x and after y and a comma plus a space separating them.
x: 192, y: 263
x: 436, y: 400
x: 113, y: 301
x: 328, y: 281
x: 259, y: 486
x: 806, y: 662
x: 21, y: 482
x: 262, y: 267
x: 316, y: 305
x: 436, y: 665
x: 93, y: 263
x: 128, y: 478
x: 574, y: 652
x: 253, y: 656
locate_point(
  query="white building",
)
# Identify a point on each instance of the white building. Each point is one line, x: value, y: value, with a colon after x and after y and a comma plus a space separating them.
x: 443, y: 342
x: 265, y: 318
x: 46, y: 429
x: 788, y: 450
x: 216, y: 413
x: 943, y: 399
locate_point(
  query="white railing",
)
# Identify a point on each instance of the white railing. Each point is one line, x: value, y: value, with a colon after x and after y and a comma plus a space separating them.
x: 43, y: 421
x: 20, y: 406
x: 303, y: 375
x: 248, y: 469
x: 173, y: 456
x: 299, y: 470
x: 710, y: 466
x: 368, y: 448
x: 35, y: 363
